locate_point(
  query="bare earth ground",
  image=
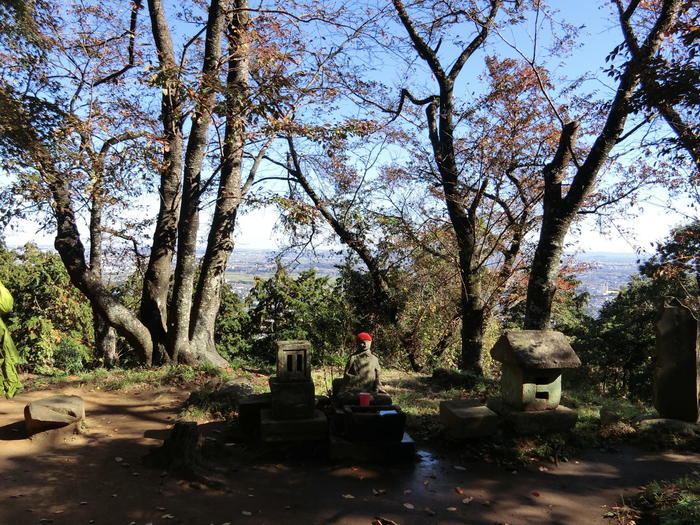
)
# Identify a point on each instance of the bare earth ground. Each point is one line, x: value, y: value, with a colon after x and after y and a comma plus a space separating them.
x: 77, y: 480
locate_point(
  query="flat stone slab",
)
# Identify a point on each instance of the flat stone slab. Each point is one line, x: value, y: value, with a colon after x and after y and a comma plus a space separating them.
x: 404, y: 450
x: 523, y: 423
x: 467, y: 419
x: 53, y: 412
x: 280, y: 430
x: 673, y: 425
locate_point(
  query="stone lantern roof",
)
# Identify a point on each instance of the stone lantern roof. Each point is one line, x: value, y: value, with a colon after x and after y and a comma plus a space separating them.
x: 535, y: 349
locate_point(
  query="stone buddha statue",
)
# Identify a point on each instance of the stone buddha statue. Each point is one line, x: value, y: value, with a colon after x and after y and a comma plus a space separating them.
x: 361, y: 374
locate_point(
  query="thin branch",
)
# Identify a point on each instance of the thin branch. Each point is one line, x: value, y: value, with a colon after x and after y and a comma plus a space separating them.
x: 136, y: 7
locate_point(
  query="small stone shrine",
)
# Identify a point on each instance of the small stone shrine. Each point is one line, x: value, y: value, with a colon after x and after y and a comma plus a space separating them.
x: 677, y: 377
x: 533, y: 361
x: 292, y: 415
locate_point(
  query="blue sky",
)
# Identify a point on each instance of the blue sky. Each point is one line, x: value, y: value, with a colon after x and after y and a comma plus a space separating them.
x: 600, y: 35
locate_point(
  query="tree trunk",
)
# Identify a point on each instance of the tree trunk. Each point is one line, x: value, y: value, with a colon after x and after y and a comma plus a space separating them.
x: 220, y: 241
x: 154, y: 298
x: 463, y: 220
x: 558, y: 211
x: 72, y: 253
x: 188, y: 224
x: 105, y: 335
x: 181, y: 452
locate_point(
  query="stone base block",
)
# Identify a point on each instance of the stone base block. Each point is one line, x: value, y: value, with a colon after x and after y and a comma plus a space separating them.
x: 292, y: 399
x: 403, y: 450
x: 560, y: 419
x: 273, y: 430
x: 467, y: 419
x: 249, y: 408
x: 373, y: 423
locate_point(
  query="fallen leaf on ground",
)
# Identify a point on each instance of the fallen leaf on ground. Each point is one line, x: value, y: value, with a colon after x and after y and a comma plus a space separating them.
x: 348, y: 496
x: 459, y: 490
x: 429, y: 511
x: 459, y: 467
x: 383, y: 521
x: 409, y: 506
x: 468, y: 500
x: 451, y: 509
x: 246, y: 513
x: 378, y: 492
x: 407, y: 491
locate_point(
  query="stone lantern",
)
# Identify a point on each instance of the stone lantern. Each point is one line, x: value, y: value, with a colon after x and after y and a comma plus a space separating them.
x: 532, y: 364
x: 533, y: 361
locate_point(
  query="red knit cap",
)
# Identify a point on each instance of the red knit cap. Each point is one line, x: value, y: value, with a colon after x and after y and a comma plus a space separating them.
x: 364, y: 336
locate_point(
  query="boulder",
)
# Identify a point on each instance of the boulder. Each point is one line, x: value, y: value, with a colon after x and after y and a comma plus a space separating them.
x: 53, y: 412
x: 608, y: 416
x: 222, y: 393
x: 235, y: 389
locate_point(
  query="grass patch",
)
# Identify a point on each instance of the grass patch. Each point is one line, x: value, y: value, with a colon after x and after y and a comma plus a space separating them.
x: 672, y: 502
x: 132, y: 378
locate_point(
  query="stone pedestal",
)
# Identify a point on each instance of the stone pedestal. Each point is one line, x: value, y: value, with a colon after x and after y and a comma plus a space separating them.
x: 249, y: 408
x: 273, y: 430
x: 387, y: 451
x: 373, y: 423
x: 292, y: 399
x: 467, y: 419
x: 523, y: 423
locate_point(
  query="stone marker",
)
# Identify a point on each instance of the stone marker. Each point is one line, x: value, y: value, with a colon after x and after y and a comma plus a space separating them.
x: 53, y: 412
x: 293, y: 393
x: 677, y: 375
x: 467, y: 419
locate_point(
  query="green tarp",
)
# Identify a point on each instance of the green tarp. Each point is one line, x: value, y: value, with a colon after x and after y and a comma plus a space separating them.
x: 8, y: 353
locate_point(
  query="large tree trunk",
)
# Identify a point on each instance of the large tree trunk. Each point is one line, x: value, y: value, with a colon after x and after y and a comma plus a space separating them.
x: 180, y: 313
x: 220, y: 241
x: 559, y: 212
x: 463, y: 216
x: 463, y: 220
x: 154, y: 298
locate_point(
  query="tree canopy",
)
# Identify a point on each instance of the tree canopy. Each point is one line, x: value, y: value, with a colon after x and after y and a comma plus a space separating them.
x: 436, y: 141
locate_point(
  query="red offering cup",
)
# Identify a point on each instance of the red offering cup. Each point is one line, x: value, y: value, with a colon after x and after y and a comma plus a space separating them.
x: 365, y: 398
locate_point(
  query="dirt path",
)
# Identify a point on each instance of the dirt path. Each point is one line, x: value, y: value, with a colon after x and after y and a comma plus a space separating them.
x: 78, y: 481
